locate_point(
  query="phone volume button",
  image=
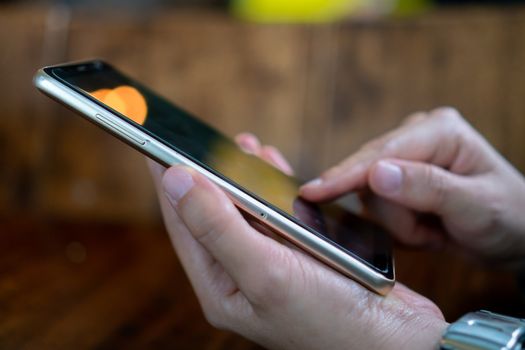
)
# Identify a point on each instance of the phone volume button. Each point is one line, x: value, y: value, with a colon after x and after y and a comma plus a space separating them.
x: 121, y: 130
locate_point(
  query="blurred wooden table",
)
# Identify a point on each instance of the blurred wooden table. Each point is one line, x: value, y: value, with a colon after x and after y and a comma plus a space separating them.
x: 84, y: 260
x: 84, y: 285
x: 71, y: 286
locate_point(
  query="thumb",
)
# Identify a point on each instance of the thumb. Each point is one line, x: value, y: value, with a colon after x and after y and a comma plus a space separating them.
x: 419, y: 186
x: 218, y: 226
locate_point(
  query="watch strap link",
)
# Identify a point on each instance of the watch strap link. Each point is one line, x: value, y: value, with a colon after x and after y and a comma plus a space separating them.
x: 484, y: 330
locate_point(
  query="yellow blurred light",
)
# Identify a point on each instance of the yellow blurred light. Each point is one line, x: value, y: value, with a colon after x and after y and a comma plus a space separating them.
x: 295, y: 10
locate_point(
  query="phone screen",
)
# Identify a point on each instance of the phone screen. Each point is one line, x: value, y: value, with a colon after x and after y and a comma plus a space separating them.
x: 209, y: 148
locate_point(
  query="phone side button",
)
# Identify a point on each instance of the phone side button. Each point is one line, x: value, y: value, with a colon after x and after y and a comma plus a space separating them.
x: 120, y: 130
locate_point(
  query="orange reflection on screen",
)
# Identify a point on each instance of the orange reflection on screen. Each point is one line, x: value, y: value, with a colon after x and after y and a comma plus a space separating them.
x: 126, y: 100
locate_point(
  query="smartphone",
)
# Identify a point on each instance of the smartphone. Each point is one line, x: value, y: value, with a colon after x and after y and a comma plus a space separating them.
x: 344, y: 240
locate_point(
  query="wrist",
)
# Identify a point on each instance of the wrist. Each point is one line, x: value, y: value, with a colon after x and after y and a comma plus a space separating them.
x: 419, y: 334
x: 428, y: 336
x: 432, y: 336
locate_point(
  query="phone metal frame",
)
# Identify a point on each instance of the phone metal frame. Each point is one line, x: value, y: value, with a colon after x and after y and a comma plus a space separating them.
x: 319, y: 248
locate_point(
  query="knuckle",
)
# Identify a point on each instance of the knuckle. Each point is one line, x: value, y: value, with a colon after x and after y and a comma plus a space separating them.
x: 213, y: 225
x: 225, y: 312
x: 378, y: 147
x: 389, y: 143
x: 390, y: 147
x: 495, y: 206
x: 438, y: 185
x: 450, y: 121
x: 415, y: 117
x: 215, y: 312
x: 497, y: 209
x: 215, y: 318
x: 447, y: 114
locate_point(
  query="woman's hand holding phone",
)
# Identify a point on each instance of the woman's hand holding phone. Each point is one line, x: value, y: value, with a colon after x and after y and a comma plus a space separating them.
x: 274, y: 294
x: 436, y: 163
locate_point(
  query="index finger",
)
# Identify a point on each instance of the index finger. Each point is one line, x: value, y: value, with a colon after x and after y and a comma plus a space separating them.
x: 434, y: 139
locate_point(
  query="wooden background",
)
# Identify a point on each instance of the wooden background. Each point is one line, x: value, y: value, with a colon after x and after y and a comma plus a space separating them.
x: 84, y: 259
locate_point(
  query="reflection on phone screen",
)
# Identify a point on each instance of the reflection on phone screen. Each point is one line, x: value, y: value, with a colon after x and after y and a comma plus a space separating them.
x: 217, y: 153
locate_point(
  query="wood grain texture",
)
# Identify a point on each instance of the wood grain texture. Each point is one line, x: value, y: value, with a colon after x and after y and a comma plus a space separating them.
x: 22, y: 37
x: 388, y: 70
x: 91, y: 268
x: 317, y: 92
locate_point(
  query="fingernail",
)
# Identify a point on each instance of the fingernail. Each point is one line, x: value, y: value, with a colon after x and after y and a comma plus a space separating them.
x: 314, y: 183
x: 283, y: 164
x: 388, y: 178
x: 248, y: 143
x: 177, y: 182
x: 246, y: 147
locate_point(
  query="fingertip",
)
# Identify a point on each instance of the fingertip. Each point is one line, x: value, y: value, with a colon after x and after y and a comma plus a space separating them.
x: 304, y: 192
x: 311, y: 187
x: 177, y: 181
x: 248, y: 142
x: 246, y: 135
x: 313, y: 190
x: 313, y: 184
x: 318, y: 187
x: 322, y: 189
x: 275, y: 157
